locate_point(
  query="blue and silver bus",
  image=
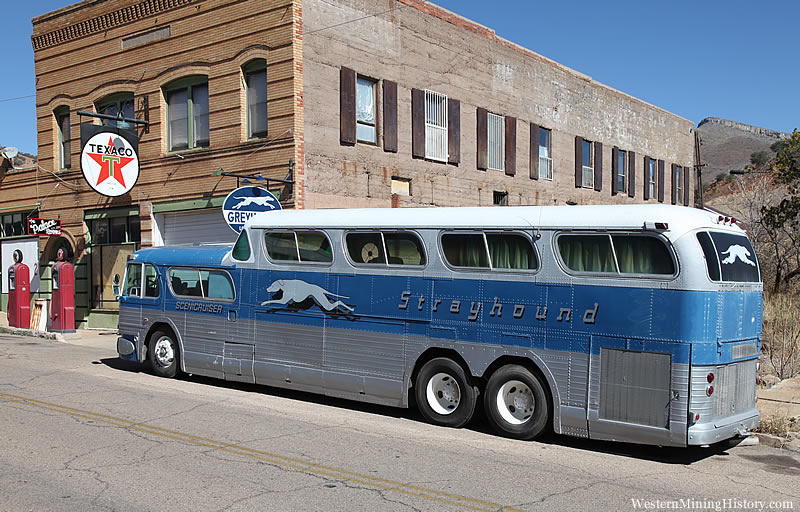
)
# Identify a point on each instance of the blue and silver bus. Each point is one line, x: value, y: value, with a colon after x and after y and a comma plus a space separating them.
x: 629, y: 323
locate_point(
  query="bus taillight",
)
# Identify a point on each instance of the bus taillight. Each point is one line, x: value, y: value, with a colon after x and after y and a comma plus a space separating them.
x: 710, y: 377
x: 710, y: 390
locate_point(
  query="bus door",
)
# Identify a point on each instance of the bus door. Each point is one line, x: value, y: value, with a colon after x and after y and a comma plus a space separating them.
x: 232, y: 326
x: 636, y: 391
x: 140, y: 300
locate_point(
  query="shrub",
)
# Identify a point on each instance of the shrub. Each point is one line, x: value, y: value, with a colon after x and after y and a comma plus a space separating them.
x: 781, y: 336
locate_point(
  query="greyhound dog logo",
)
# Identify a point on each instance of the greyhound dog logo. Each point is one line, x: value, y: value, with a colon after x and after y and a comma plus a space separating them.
x: 247, y: 201
x: 295, y: 291
x: 737, y: 252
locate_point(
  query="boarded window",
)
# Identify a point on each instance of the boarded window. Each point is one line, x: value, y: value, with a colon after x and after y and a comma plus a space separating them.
x: 347, y: 106
x: 389, y: 116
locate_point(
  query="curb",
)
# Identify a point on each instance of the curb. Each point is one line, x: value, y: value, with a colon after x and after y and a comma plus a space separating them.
x: 28, y: 332
x: 778, y: 442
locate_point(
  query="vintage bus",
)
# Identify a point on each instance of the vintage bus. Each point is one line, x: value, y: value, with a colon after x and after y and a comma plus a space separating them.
x: 630, y: 323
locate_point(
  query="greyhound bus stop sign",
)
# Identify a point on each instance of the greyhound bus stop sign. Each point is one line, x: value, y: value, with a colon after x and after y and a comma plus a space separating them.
x: 244, y: 202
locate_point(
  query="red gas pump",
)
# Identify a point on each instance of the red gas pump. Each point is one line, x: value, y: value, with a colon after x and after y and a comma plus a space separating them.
x: 19, y: 293
x: 62, y: 310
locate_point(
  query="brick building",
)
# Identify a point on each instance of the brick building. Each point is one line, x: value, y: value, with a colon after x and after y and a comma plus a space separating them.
x: 361, y: 102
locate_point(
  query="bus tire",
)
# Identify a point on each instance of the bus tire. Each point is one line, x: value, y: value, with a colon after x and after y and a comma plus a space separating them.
x: 516, y: 402
x: 444, y: 393
x: 163, y: 354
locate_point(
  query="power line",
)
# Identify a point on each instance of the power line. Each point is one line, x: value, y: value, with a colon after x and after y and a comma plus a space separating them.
x: 18, y: 98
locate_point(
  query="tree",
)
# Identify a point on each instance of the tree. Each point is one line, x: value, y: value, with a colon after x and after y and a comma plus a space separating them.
x: 759, y: 158
x: 783, y: 219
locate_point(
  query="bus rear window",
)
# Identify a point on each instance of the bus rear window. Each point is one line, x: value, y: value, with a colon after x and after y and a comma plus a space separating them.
x: 729, y: 257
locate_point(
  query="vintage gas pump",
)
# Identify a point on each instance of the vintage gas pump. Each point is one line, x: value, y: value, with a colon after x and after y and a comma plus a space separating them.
x: 62, y: 310
x: 19, y: 293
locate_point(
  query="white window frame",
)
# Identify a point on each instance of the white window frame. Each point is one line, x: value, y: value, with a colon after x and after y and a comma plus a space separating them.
x: 436, y: 125
x: 496, y: 142
x: 622, y: 171
x: 679, y: 170
x: 367, y: 131
x: 587, y: 180
x: 651, y: 178
x: 545, y: 160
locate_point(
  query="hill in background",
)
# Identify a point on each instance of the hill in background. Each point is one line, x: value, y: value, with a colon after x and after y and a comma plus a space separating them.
x: 726, y: 145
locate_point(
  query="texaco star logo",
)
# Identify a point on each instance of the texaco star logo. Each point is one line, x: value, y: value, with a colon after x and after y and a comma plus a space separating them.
x: 110, y: 164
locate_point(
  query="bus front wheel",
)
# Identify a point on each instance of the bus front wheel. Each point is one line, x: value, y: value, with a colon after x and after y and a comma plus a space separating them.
x: 444, y: 394
x: 163, y: 354
x: 516, y: 403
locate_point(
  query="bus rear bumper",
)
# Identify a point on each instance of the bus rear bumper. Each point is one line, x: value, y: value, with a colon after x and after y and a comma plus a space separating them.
x: 709, y: 433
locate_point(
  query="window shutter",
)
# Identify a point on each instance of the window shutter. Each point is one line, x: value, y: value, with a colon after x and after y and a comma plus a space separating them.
x: 598, y: 166
x: 674, y: 182
x: 483, y: 141
x: 631, y: 174
x: 614, y: 170
x: 534, y: 160
x: 660, y: 181
x: 347, y: 106
x: 511, y: 145
x: 686, y: 186
x: 578, y: 162
x: 453, y: 131
x: 417, y: 123
x: 390, y: 116
x: 646, y: 189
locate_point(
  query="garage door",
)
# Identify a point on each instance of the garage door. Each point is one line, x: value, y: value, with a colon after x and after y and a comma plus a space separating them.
x: 198, y: 227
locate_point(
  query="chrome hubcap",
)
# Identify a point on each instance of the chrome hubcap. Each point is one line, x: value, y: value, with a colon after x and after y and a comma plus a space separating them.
x: 515, y: 402
x: 443, y: 394
x: 164, y: 351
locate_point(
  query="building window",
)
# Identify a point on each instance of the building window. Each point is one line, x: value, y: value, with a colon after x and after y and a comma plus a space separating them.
x: 651, y: 178
x: 401, y: 186
x: 678, y: 184
x: 622, y: 171
x: 500, y: 198
x: 187, y: 114
x: 255, y: 80
x: 587, y: 164
x: 62, y: 124
x: 366, y: 117
x: 545, y: 158
x: 435, y: 126
x: 15, y: 224
x: 117, y: 105
x: 496, y: 141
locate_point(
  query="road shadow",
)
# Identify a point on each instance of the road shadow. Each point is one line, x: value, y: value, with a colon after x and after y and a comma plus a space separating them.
x: 666, y: 455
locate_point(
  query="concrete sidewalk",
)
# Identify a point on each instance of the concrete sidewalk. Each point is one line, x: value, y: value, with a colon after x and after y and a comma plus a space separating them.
x: 105, y: 338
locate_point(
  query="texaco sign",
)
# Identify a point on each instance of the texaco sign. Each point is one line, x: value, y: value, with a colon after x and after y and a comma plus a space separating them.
x: 110, y: 164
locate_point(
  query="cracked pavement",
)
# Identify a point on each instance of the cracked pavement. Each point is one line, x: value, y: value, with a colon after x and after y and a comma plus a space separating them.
x: 82, y: 430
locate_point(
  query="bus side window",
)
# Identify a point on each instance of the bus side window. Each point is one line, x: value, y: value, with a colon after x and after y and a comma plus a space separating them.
x: 241, y: 249
x: 366, y: 248
x: 314, y: 247
x: 465, y: 250
x: 511, y: 251
x: 133, y: 281
x: 404, y: 249
x: 281, y: 246
x: 218, y: 285
x: 186, y: 282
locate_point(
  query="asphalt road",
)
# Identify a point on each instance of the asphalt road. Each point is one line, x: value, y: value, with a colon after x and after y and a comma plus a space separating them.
x: 82, y: 430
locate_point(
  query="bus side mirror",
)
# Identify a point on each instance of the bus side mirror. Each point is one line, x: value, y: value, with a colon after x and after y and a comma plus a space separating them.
x: 115, y: 286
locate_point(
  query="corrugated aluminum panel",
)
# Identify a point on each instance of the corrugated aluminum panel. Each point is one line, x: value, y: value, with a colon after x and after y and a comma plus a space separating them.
x: 735, y: 388
x: 635, y: 387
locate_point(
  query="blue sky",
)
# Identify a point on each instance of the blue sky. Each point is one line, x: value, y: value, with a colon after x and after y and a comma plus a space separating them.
x: 732, y: 59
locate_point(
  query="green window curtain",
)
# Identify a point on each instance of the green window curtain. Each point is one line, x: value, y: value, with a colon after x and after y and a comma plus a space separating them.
x: 465, y: 250
x: 642, y: 255
x: 511, y: 251
x: 587, y: 253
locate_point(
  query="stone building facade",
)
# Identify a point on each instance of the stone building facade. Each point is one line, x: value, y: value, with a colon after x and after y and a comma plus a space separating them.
x: 372, y: 103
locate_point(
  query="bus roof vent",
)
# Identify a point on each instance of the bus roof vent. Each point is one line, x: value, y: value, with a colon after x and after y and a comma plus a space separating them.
x: 656, y: 226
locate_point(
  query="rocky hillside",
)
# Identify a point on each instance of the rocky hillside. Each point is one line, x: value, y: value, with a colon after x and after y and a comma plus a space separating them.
x: 727, y: 145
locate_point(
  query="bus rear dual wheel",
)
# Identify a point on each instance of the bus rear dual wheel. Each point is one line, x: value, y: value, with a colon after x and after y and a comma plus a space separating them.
x: 514, y: 399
